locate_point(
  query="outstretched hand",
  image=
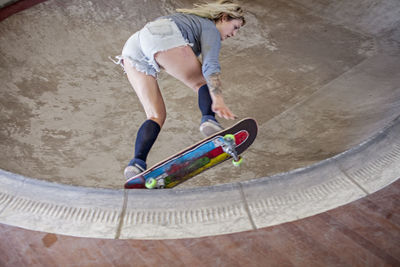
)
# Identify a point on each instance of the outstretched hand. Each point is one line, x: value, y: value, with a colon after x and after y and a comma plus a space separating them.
x: 220, y: 108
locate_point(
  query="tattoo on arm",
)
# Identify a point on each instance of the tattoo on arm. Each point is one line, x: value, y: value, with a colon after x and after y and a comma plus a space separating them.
x: 214, y: 84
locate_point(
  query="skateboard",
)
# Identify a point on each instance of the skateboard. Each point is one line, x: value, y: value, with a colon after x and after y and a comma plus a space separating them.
x: 226, y: 144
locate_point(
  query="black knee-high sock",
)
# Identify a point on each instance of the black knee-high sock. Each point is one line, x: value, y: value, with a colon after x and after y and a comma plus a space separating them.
x: 205, y: 103
x: 145, y: 139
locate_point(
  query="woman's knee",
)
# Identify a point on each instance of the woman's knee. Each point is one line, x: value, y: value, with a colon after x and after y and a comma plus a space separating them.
x: 197, y: 84
x: 158, y: 118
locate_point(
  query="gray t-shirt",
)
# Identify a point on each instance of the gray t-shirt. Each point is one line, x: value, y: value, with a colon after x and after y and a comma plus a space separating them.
x: 205, y: 38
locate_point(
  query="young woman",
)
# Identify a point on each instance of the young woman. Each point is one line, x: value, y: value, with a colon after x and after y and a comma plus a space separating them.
x: 173, y: 43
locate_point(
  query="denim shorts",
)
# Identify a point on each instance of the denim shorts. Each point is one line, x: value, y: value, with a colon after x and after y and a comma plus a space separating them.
x: 156, y: 36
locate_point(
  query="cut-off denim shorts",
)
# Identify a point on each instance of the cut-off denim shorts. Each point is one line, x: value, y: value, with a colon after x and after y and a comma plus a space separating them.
x: 156, y: 36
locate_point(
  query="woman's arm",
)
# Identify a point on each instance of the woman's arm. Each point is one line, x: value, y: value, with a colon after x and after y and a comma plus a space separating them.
x: 218, y: 105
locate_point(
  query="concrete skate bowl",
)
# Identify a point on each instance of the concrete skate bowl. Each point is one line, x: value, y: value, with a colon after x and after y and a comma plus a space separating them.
x: 322, y: 80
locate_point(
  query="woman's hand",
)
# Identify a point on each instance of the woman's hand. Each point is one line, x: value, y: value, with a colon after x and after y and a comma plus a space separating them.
x: 218, y: 104
x: 219, y: 107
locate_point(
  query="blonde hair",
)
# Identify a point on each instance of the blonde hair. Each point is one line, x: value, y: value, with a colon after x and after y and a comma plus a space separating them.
x: 216, y: 10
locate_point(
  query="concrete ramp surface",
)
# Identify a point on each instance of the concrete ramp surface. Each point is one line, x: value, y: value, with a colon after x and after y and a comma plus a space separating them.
x: 321, y: 79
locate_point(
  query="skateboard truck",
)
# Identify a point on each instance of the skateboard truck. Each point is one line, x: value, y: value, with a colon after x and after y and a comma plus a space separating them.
x: 229, y: 147
x: 158, y: 182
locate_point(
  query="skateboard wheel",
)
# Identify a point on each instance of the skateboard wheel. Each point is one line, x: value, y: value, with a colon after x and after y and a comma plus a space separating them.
x: 237, y: 163
x: 151, y: 183
x: 229, y: 137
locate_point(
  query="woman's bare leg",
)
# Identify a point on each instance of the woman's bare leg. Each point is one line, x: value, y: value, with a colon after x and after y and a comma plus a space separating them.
x: 182, y: 63
x: 148, y: 92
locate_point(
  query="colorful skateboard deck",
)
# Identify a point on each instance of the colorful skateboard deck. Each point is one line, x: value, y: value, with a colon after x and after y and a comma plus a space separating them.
x: 199, y: 157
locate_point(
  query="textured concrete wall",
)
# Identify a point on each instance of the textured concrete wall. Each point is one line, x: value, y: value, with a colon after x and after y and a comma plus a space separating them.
x: 374, y: 17
x: 80, y: 115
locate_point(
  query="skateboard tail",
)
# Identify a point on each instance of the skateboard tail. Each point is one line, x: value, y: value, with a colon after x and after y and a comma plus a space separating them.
x: 136, y: 183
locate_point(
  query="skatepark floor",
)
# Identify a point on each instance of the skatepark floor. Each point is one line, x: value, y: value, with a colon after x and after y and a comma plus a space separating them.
x: 363, y: 233
x: 317, y: 188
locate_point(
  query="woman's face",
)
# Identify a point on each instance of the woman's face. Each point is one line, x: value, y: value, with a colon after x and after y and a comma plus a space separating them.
x: 228, y: 28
